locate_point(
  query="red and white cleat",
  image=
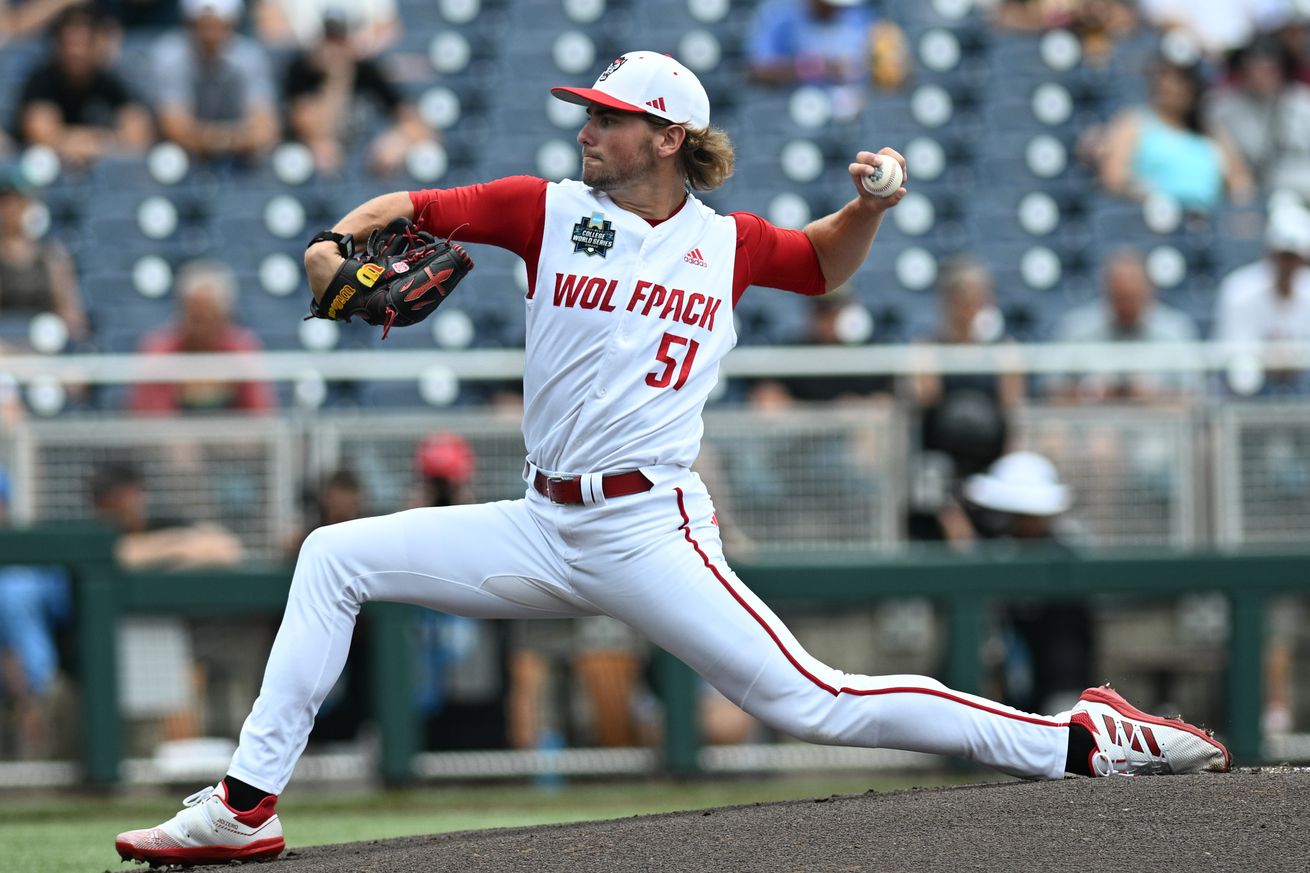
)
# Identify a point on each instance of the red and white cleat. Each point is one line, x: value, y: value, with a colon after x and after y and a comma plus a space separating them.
x: 207, y: 831
x: 1130, y: 742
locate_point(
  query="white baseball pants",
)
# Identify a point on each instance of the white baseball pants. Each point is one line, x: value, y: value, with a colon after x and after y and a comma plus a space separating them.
x: 652, y: 560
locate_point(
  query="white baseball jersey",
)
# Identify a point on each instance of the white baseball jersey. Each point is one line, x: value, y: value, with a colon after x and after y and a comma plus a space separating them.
x: 626, y: 325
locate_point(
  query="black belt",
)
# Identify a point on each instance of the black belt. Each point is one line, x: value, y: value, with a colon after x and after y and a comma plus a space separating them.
x: 568, y: 489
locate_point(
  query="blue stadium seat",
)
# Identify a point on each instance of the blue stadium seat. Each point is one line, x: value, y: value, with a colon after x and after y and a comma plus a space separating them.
x: 1016, y: 58
x: 121, y: 326
x: 772, y: 317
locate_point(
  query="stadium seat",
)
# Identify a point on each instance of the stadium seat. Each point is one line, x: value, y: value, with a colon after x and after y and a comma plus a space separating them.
x: 771, y: 317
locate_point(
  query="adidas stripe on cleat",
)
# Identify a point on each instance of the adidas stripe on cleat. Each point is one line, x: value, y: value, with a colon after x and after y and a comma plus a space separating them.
x: 1130, y: 742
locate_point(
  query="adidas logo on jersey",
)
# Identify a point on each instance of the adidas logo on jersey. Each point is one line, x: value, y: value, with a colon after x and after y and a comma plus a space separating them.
x: 695, y: 258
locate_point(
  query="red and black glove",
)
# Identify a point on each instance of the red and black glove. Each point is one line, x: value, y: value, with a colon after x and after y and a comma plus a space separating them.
x: 400, y: 277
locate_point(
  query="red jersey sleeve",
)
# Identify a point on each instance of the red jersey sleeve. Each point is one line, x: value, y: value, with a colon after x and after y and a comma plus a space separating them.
x: 774, y: 257
x: 509, y: 213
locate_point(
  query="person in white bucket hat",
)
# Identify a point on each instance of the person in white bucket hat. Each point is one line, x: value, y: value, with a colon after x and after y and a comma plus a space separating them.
x: 1049, y: 643
x: 1020, y: 483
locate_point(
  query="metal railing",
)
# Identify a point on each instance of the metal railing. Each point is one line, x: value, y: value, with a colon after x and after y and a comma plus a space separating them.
x: 241, y: 473
x: 811, y: 479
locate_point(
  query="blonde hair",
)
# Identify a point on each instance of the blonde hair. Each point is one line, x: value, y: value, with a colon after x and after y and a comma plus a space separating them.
x: 706, y: 156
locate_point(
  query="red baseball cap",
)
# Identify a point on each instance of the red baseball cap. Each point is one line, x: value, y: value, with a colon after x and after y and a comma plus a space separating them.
x: 446, y: 456
x: 646, y: 82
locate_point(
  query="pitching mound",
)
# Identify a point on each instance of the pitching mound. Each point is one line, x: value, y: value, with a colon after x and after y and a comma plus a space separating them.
x: 1246, y: 820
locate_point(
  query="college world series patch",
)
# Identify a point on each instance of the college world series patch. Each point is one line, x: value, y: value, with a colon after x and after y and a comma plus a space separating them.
x: 593, y: 235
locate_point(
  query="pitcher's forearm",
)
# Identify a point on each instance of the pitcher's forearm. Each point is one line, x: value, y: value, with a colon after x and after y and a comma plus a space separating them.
x: 842, y: 240
x: 377, y: 212
x: 322, y: 260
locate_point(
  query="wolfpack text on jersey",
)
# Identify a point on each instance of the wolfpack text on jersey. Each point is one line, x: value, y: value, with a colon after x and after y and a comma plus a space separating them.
x: 624, y: 350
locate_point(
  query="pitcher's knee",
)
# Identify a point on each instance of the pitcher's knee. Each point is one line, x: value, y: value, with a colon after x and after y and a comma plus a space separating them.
x: 806, y: 718
x: 818, y: 729
x: 319, y: 568
x: 316, y: 547
x: 346, y: 542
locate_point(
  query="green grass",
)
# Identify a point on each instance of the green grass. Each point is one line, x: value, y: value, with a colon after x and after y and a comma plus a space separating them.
x: 75, y: 834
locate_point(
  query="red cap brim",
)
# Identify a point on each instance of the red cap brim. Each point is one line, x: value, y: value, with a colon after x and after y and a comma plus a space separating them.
x: 586, y: 96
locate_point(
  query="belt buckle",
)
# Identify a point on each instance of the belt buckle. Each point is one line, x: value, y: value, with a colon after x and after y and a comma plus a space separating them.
x: 552, y: 481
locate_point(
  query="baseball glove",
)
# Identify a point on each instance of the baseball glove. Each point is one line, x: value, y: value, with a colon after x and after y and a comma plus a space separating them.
x: 400, y: 277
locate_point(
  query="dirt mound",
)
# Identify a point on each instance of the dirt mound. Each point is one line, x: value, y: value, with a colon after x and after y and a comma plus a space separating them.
x: 1246, y: 820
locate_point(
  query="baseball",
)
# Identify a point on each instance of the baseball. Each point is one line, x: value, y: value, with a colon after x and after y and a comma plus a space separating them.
x: 886, y: 178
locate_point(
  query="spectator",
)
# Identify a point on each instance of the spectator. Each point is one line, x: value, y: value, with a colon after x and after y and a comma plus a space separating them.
x: 35, y: 275
x: 1049, y: 659
x: 1269, y: 300
x: 463, y: 670
x: 34, y: 603
x: 336, y: 99
x: 119, y: 499
x: 964, y: 415
x: 147, y: 542
x: 1128, y: 312
x: 1266, y: 113
x: 19, y: 19
x: 1294, y: 35
x: 963, y: 418
x: 372, y: 24
x: 836, y: 470
x: 74, y: 104
x: 1216, y: 26
x: 214, y: 93
x: 339, y: 498
x: 445, y: 464
x: 11, y: 407
x: 836, y: 43
x: 1098, y: 23
x: 1164, y: 148
x: 206, y: 296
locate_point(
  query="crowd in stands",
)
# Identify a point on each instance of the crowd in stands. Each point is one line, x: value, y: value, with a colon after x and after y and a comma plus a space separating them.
x: 1225, y: 121
x: 303, y: 70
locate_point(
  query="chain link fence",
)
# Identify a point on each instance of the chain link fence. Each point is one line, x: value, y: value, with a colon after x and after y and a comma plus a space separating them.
x: 799, y: 481
x: 1134, y: 472
x: 235, y: 472
x: 1262, y: 488
x: 803, y: 480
